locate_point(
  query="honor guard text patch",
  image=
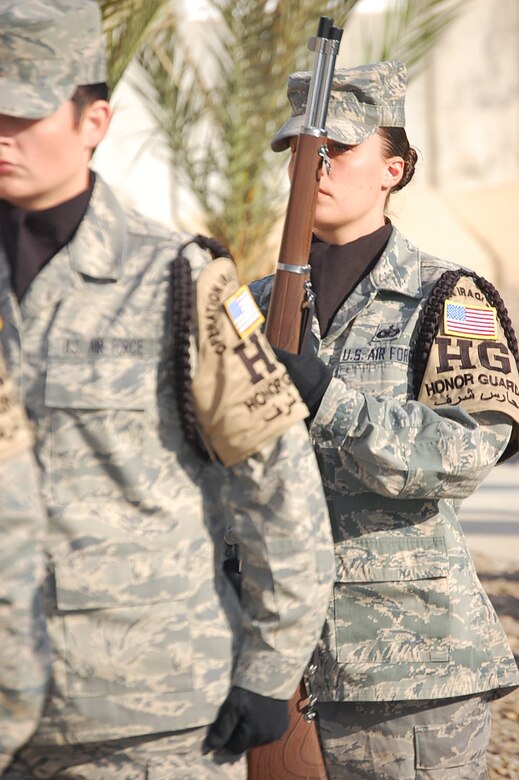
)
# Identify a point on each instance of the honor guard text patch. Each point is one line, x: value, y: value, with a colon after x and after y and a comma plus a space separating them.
x: 470, y: 362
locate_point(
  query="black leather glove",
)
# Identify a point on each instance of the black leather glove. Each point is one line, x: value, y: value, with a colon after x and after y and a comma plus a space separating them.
x: 246, y: 720
x: 309, y: 374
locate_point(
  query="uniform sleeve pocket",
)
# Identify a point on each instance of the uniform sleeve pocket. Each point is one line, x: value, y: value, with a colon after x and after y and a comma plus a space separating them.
x: 391, y: 600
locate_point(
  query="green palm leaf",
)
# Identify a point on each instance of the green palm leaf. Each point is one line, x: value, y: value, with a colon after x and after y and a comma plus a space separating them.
x: 127, y: 23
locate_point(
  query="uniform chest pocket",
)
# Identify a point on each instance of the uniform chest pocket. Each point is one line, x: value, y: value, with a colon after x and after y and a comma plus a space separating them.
x: 99, y: 413
x: 376, y: 376
x: 391, y: 601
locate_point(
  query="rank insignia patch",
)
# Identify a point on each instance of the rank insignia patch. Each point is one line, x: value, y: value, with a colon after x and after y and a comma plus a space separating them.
x: 243, y: 312
x: 475, y: 322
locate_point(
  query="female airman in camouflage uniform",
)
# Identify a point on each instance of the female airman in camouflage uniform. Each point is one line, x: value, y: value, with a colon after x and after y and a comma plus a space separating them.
x: 422, y: 401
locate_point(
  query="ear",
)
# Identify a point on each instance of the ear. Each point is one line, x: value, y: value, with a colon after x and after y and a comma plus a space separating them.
x: 95, y: 121
x: 394, y: 172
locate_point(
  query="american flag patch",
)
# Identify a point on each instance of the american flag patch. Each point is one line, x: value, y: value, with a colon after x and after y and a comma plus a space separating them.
x: 469, y: 321
x: 243, y: 312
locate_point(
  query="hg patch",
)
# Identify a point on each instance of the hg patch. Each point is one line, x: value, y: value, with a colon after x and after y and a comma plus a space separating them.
x: 243, y: 396
x: 470, y: 363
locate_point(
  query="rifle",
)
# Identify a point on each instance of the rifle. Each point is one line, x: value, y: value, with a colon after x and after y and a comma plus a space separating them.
x: 298, y: 754
x: 291, y: 294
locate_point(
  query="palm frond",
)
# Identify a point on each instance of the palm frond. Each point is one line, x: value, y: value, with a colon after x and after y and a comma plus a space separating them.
x: 127, y: 24
x: 218, y: 111
x: 220, y: 101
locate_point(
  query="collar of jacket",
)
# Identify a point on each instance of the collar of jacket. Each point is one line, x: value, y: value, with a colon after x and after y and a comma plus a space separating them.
x: 399, y: 269
x: 97, y: 247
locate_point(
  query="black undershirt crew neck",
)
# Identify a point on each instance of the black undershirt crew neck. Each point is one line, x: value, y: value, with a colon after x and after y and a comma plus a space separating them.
x: 336, y: 269
x: 32, y: 238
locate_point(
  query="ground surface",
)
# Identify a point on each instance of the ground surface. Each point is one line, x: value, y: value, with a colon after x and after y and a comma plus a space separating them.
x: 501, y: 582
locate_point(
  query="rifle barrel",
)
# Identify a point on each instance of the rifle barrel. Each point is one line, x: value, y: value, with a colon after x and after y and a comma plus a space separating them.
x: 290, y: 293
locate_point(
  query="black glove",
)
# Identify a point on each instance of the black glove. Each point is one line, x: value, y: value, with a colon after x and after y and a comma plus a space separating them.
x: 246, y: 720
x: 309, y: 374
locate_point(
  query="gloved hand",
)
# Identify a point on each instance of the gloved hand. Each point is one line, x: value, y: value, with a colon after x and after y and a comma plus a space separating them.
x: 309, y: 374
x: 246, y: 720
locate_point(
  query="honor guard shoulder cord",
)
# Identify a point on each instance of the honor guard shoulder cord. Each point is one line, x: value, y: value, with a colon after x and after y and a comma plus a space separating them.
x: 183, y: 312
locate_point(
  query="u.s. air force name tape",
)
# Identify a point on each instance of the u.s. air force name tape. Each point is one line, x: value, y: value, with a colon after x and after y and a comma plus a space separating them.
x: 15, y: 432
x: 470, y: 363
x: 243, y: 396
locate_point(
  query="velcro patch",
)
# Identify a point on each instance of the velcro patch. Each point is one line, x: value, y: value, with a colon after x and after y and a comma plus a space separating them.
x: 471, y: 322
x: 243, y: 312
x: 468, y: 369
x: 243, y: 396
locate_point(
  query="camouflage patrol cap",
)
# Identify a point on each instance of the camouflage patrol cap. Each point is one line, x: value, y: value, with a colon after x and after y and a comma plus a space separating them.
x: 47, y: 49
x: 361, y: 99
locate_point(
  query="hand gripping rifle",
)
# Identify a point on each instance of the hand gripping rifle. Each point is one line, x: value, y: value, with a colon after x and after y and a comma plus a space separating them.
x: 298, y: 753
x: 292, y: 295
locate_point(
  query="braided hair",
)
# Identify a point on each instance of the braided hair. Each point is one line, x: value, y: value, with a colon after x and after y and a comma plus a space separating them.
x: 432, y: 311
x: 183, y: 306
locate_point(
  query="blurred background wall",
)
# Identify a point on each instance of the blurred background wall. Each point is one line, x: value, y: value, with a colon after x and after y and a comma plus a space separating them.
x: 462, y: 116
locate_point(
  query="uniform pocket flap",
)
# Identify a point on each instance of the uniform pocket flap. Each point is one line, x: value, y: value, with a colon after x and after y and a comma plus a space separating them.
x: 391, y: 558
x: 98, y: 581
x: 118, y: 383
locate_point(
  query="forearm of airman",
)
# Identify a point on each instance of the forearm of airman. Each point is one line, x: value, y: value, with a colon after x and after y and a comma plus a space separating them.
x: 282, y: 524
x: 408, y: 450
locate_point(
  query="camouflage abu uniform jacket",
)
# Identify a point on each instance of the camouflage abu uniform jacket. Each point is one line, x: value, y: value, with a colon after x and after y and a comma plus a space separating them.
x: 408, y: 617
x: 24, y: 660
x: 139, y: 624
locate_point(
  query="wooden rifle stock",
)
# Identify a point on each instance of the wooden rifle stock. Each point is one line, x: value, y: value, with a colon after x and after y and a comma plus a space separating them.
x: 289, y: 294
x: 298, y: 754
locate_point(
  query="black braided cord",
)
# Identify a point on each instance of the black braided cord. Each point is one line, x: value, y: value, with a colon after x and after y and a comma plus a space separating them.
x: 183, y: 308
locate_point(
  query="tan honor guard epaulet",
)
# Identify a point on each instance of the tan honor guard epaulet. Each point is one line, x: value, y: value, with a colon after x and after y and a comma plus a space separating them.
x: 243, y: 397
x: 470, y: 363
x: 15, y: 431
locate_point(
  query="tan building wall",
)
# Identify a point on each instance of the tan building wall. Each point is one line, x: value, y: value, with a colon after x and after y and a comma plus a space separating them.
x: 463, y: 118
